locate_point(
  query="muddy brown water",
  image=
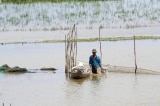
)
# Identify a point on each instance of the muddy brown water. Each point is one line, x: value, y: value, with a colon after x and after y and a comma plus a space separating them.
x: 54, y: 89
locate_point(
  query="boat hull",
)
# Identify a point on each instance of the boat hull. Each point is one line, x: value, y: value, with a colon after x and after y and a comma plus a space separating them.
x: 79, y: 72
x: 79, y: 75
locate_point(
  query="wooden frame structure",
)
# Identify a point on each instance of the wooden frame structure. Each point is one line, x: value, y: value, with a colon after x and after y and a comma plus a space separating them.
x: 70, y: 49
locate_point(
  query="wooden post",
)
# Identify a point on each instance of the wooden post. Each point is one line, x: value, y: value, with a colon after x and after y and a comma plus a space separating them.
x: 135, y: 55
x: 66, y: 66
x: 100, y: 45
x: 76, y: 46
x: 3, y: 104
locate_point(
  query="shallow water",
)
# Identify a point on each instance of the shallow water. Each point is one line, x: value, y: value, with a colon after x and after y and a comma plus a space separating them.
x: 39, y: 89
x: 48, y: 88
x: 52, y: 54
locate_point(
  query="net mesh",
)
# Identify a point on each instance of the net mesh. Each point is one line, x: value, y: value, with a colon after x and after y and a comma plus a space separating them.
x: 122, y: 69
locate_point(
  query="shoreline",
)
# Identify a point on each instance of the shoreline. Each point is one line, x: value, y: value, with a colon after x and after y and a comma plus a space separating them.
x: 84, y: 35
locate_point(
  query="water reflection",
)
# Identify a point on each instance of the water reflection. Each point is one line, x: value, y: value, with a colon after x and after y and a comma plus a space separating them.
x: 92, y: 77
x: 76, y: 81
x: 59, y: 89
x: 82, y: 91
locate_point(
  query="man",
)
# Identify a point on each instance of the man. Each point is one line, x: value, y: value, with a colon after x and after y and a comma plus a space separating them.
x: 95, y: 62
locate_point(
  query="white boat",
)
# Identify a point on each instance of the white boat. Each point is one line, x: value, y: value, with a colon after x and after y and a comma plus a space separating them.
x: 79, y: 71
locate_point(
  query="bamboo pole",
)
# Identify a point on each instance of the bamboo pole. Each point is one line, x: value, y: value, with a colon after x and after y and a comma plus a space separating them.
x: 135, y: 55
x: 65, y: 53
x: 67, y: 47
x: 68, y: 58
x: 70, y: 49
x: 100, y: 45
x: 76, y: 46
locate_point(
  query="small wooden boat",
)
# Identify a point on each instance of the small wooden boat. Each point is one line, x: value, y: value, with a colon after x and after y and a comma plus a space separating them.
x: 79, y: 71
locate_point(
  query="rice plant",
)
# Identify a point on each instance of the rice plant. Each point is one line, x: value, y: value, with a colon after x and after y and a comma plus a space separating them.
x: 56, y: 1
x: 53, y: 15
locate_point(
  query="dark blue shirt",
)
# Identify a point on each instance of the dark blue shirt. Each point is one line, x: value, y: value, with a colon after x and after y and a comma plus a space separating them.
x: 94, y: 62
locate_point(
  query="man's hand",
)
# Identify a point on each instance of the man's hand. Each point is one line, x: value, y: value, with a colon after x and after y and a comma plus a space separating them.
x: 91, y: 68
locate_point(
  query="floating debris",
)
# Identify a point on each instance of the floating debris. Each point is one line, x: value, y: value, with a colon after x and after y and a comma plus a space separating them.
x: 16, y: 69
x: 48, y: 69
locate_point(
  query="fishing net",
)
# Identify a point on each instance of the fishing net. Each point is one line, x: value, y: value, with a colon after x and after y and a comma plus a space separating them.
x: 122, y: 69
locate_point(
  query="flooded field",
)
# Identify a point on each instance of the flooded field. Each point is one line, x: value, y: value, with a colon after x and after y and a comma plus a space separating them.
x: 60, y: 16
x: 48, y: 88
x: 35, y: 22
x: 118, y: 53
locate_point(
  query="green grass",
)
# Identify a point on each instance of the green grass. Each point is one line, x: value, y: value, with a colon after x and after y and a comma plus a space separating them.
x: 109, y: 39
x: 55, y: 1
x: 49, y: 16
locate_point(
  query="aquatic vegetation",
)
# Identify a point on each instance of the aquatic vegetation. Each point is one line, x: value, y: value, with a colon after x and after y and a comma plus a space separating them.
x: 55, y: 14
x: 6, y: 68
x: 56, y: 1
x: 108, y: 39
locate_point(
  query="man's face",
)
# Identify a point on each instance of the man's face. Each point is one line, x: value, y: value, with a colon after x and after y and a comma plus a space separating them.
x: 94, y: 53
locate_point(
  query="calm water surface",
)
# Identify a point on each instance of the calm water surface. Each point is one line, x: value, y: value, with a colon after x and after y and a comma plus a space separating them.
x: 119, y: 53
x: 54, y: 89
x: 48, y: 89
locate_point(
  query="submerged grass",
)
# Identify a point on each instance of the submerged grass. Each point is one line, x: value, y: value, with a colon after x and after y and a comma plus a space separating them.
x: 120, y: 38
x: 49, y: 15
x: 55, y: 1
x: 110, y: 39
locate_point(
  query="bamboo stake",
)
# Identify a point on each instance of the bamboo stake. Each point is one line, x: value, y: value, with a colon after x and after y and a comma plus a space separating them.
x: 67, y: 58
x: 76, y: 46
x: 70, y: 49
x: 135, y: 55
x: 100, y: 45
x: 74, y: 52
x: 67, y: 46
x: 66, y: 53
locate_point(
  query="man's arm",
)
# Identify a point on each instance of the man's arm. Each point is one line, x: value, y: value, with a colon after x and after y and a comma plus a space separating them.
x: 99, y: 62
x: 90, y: 62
